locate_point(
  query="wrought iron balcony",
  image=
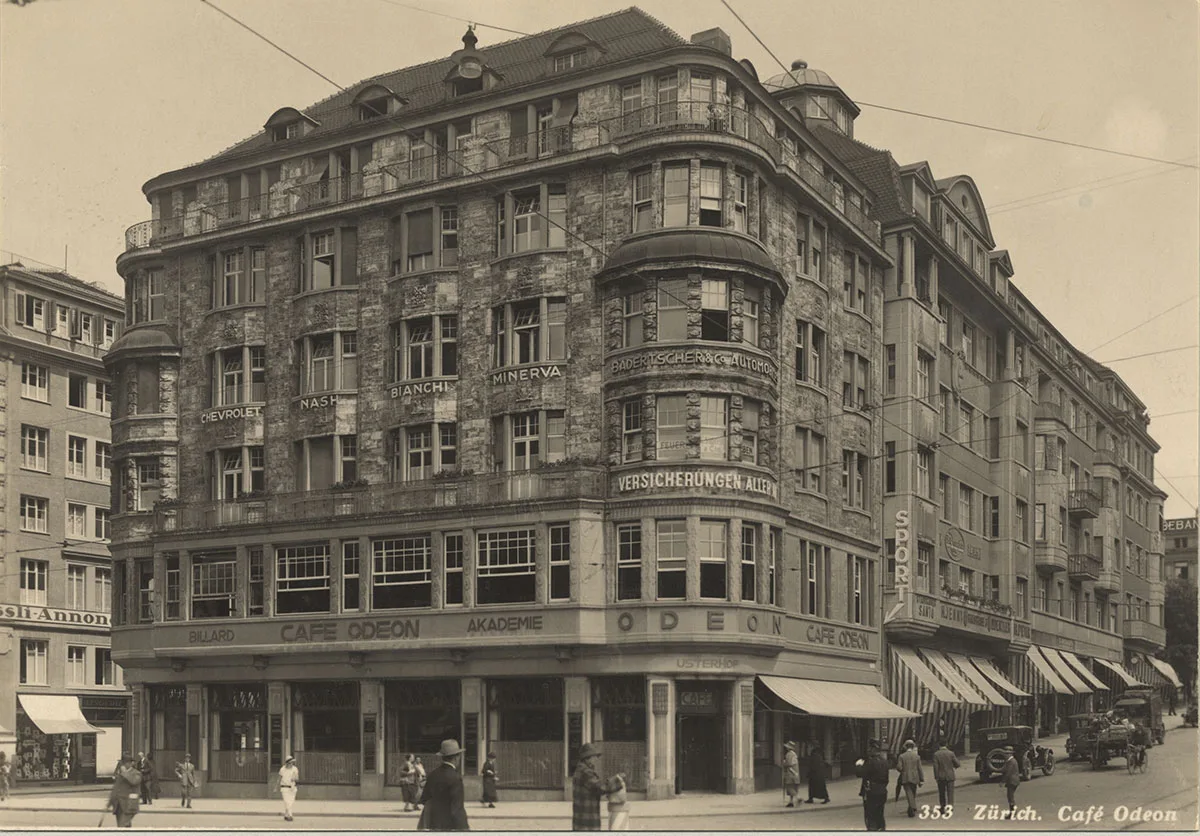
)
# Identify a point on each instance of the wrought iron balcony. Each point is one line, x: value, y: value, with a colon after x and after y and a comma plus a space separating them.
x: 1084, y: 567
x: 1083, y: 502
x: 483, y: 155
x: 552, y: 483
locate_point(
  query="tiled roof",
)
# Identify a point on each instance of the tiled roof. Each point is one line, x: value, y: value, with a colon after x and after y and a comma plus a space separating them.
x: 620, y: 35
x: 876, y: 168
x: 67, y: 278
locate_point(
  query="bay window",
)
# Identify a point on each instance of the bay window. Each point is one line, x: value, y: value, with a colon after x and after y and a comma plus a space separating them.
x: 329, y: 362
x: 425, y: 347
x: 524, y: 440
x: 633, y: 320
x: 714, y: 310
x: 751, y: 416
x: 854, y: 479
x: 530, y: 331
x: 810, y: 460
x: 643, y: 205
x: 147, y: 297
x: 810, y: 353
x: 328, y: 259
x: 238, y: 277
x: 560, y: 562
x: 713, y: 547
x: 749, y: 562
x: 671, y: 439
x: 631, y: 430
x: 675, y: 194
x: 714, y: 427
x: 214, y: 582
x: 238, y: 471
x: 425, y: 239
x: 533, y: 218
x: 751, y: 306
x: 856, y: 381
x: 711, y: 194
x: 629, y: 562
x: 672, y: 299
x: 671, y: 559
x: 453, y: 558
x: 233, y: 369
x: 740, y: 192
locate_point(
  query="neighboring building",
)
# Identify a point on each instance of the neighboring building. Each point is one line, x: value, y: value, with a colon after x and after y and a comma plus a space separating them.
x: 1014, y: 581
x: 1182, y: 546
x: 526, y: 397
x: 63, y: 709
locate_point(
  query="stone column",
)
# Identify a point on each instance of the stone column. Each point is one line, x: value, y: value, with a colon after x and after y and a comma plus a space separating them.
x: 474, y: 716
x: 336, y: 578
x: 660, y: 738
x: 577, y: 704
x: 741, y: 731
x: 197, y: 715
x: 469, y: 569
x: 733, y: 560
x: 268, y: 580
x: 241, y: 590
x: 366, y: 580
x: 649, y: 552
x: 541, y: 563
x: 437, y: 568
x: 370, y: 785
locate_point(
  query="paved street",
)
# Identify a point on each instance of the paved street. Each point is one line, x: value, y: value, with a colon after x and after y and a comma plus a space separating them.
x: 1112, y: 795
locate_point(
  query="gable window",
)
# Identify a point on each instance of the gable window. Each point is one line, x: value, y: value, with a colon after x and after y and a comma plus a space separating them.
x: 711, y: 188
x: 329, y: 259
x: 643, y: 206
x: 529, y: 219
x: 810, y: 353
x: 425, y: 347
x: 529, y: 332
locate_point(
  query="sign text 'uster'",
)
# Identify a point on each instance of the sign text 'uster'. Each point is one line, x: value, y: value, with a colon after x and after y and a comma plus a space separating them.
x: 721, y: 479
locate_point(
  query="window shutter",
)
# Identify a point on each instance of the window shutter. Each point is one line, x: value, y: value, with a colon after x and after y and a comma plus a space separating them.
x: 76, y: 326
x: 348, y: 267
x: 51, y: 316
x: 22, y: 314
x: 499, y: 445
x: 302, y: 273
x: 420, y: 231
x: 518, y: 122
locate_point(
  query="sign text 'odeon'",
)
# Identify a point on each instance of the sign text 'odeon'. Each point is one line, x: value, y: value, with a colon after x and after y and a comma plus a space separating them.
x: 693, y: 358
x: 725, y: 480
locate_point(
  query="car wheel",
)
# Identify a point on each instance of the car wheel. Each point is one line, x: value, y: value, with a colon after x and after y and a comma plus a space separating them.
x: 1048, y: 766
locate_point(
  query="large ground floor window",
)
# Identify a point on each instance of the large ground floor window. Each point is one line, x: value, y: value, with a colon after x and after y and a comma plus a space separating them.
x: 525, y: 730
x: 620, y: 722
x: 238, y: 733
x: 420, y: 715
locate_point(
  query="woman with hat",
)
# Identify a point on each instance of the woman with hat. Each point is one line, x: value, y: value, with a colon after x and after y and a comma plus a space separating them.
x: 791, y: 773
x: 816, y: 775
x: 588, y: 789
x: 289, y: 778
x: 489, y: 781
x: 443, y: 794
x: 408, y: 782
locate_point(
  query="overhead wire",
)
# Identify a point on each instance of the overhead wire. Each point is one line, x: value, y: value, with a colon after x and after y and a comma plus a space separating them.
x: 1144, y: 322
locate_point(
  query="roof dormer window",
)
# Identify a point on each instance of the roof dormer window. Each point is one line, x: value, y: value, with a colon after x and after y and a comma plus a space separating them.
x: 375, y: 100
x: 571, y: 51
x: 289, y: 123
x: 464, y: 86
x: 570, y: 61
x: 289, y: 131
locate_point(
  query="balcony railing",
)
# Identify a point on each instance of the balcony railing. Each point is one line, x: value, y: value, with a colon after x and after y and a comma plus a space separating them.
x: 547, y: 141
x: 1107, y: 454
x: 1084, y: 567
x: 1140, y: 630
x: 1083, y: 502
x: 390, y: 498
x: 1050, y: 410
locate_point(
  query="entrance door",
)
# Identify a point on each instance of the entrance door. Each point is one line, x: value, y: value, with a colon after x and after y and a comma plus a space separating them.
x: 698, y: 753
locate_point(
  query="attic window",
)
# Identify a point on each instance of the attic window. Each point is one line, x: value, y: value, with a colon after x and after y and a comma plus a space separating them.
x: 463, y: 86
x: 570, y: 61
x: 373, y: 108
x: 289, y: 131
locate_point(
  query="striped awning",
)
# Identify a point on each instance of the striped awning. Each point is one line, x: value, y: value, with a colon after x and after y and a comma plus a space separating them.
x: 958, y: 683
x: 1065, y: 672
x: 977, y: 678
x: 1166, y: 669
x: 1124, y: 676
x: 988, y: 668
x: 1044, y: 668
x: 835, y: 699
x: 1083, y: 670
x: 914, y: 685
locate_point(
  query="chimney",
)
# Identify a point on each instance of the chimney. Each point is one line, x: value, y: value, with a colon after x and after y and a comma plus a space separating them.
x: 715, y: 38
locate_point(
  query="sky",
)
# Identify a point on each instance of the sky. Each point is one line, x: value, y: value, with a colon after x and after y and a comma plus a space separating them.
x: 98, y: 96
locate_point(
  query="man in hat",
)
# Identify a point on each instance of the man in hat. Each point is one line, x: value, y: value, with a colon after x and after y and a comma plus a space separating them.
x: 874, y: 772
x: 588, y: 789
x: 289, y: 779
x: 944, y: 764
x: 911, y: 774
x: 186, y: 773
x: 126, y: 791
x: 442, y: 797
x: 791, y: 772
x: 1010, y: 776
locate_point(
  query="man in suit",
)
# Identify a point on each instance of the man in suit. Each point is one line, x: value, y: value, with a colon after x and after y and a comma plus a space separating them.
x: 144, y: 767
x: 1010, y: 776
x: 944, y: 764
x: 186, y: 773
x: 911, y: 774
x: 442, y: 797
x: 874, y: 772
x: 126, y: 791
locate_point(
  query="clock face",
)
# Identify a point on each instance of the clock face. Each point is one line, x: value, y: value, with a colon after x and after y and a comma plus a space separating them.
x: 470, y: 68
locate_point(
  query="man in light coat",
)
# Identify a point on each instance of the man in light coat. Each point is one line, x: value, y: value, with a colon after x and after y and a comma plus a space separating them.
x: 911, y: 774
x: 944, y: 764
x: 185, y: 771
x: 1010, y: 776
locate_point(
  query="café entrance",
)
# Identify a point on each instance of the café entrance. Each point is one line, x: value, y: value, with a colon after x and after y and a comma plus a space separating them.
x: 702, y: 751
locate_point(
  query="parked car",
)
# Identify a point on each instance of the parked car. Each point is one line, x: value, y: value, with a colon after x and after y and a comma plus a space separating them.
x: 990, y: 743
x: 1143, y: 705
x: 1083, y: 736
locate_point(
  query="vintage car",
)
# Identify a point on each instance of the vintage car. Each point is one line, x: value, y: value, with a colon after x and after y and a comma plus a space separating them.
x: 1144, y: 706
x: 1081, y: 727
x: 990, y: 743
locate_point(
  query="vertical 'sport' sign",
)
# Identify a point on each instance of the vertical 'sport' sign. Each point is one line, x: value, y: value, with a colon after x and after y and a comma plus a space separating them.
x: 902, y: 557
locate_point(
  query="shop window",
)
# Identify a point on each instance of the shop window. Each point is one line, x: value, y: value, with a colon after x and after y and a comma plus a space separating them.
x: 505, y: 567
x: 560, y: 562
x: 671, y: 559
x: 402, y: 576
x: 714, y: 310
x: 302, y: 579
x: 749, y: 563
x: 672, y: 304
x: 453, y: 552
x: 214, y: 579
x: 629, y: 562
x: 34, y: 653
x: 329, y: 259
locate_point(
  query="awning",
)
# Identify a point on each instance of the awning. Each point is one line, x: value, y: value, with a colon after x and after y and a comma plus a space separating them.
x: 56, y: 714
x: 1166, y: 669
x: 957, y: 682
x: 1033, y: 654
x: 835, y: 699
x: 976, y: 678
x: 921, y: 688
x: 1083, y: 670
x: 1123, y: 675
x: 988, y: 668
x: 1065, y: 672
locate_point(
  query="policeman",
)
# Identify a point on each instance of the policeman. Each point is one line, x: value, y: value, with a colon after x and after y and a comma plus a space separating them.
x: 874, y: 772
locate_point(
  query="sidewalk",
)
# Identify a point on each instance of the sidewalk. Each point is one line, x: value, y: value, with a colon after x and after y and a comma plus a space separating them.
x: 843, y: 792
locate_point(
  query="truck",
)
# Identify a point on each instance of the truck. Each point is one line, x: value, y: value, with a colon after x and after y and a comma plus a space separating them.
x: 1143, y: 705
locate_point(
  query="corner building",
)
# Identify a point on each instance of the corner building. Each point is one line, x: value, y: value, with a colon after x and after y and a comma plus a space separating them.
x: 493, y: 399
x: 63, y: 710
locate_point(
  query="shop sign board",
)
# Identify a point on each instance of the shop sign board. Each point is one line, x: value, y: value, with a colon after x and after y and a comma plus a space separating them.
x: 53, y: 616
x: 722, y: 479
x: 974, y: 621
x: 228, y: 413
x: 902, y: 557
x: 690, y: 359
x: 706, y: 623
x: 1184, y: 524
x: 421, y: 387
x: 527, y: 373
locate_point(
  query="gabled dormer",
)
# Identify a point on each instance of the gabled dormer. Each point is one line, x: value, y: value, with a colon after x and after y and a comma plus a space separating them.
x: 289, y: 123
x: 375, y: 100
x: 571, y: 51
x: 468, y: 73
x: 921, y: 187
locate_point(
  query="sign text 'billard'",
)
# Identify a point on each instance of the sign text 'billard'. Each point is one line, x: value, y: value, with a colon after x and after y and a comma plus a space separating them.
x: 724, y: 480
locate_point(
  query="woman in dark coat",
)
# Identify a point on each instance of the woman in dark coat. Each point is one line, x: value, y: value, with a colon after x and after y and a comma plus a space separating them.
x: 816, y: 776
x: 490, y: 797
